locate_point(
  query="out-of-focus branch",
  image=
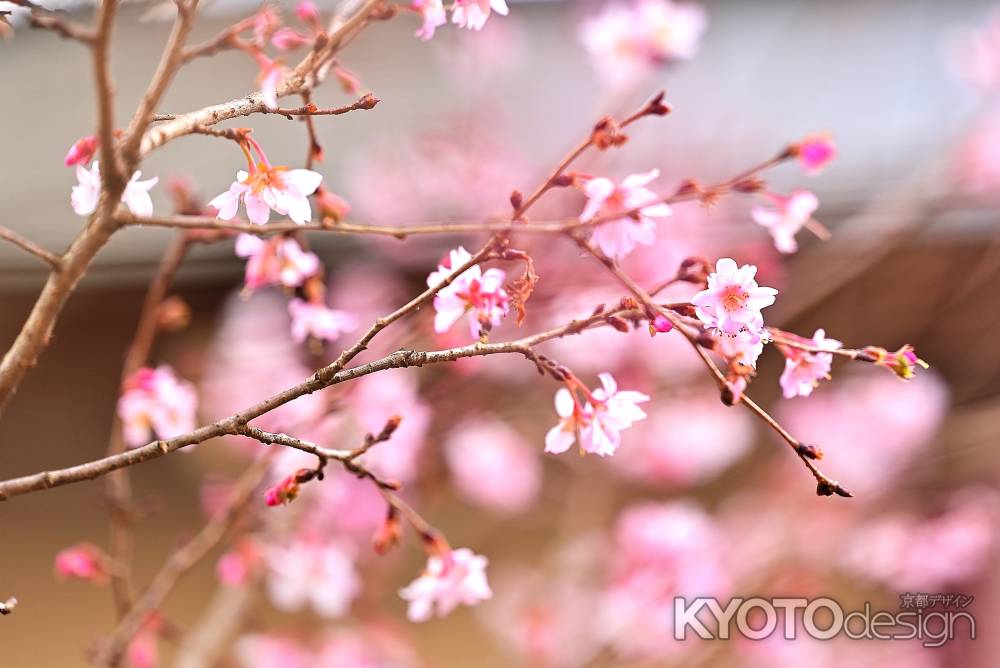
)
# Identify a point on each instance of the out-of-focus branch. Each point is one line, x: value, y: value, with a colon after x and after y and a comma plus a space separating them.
x: 31, y: 247
x: 180, y: 561
x: 118, y: 486
x: 62, y: 27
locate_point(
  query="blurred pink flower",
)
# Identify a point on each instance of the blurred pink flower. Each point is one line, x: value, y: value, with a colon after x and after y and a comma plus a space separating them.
x: 787, y: 219
x: 815, y: 151
x: 279, y: 260
x: 318, y: 574
x: 457, y: 578
x: 492, y: 465
x: 472, y: 14
x: 733, y: 300
x: 288, y: 39
x: 307, y: 12
x: 661, y: 551
x: 155, y: 401
x: 83, y: 561
x: 973, y: 54
x: 433, y: 16
x: 686, y: 440
x: 81, y: 151
x: 318, y: 321
x: 627, y: 41
x: 869, y: 425
x: 475, y: 292
x: 606, y: 198
x: 804, y: 370
x: 284, y: 190
x: 85, y: 195
x: 599, y: 422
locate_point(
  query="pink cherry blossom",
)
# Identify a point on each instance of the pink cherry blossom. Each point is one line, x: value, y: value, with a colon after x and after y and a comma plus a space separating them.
x: 804, y: 370
x: 618, y: 238
x: 599, y: 422
x: 456, y: 578
x: 784, y: 221
x: 284, y: 190
x: 86, y: 194
x: 815, y: 151
x: 475, y: 292
x: 276, y: 261
x: 318, y: 321
x: 472, y: 14
x: 155, y: 401
x: 318, y: 574
x: 433, y: 15
x: 493, y: 465
x: 733, y: 300
x: 81, y: 151
x: 84, y: 561
x: 743, y: 347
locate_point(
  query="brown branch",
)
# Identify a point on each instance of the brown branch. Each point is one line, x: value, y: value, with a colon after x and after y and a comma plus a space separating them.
x: 180, y: 561
x: 170, y: 61
x: 105, y: 94
x: 63, y: 27
x: 31, y: 247
x: 323, y: 378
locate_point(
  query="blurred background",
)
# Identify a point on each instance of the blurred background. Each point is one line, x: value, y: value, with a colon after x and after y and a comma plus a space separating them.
x: 586, y: 554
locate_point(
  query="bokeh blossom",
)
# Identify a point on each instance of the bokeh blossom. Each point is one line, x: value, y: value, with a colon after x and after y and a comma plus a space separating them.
x: 279, y: 260
x: 156, y: 401
x: 318, y: 321
x: 314, y: 573
x: 789, y: 215
x: 455, y: 578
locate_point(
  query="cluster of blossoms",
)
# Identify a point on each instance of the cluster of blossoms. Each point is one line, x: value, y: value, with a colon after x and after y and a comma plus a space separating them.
x: 86, y: 193
x: 476, y: 293
x: 471, y: 14
x: 279, y: 260
x: 598, y: 422
x: 155, y: 401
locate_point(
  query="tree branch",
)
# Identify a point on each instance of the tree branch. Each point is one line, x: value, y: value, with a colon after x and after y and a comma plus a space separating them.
x: 49, y: 258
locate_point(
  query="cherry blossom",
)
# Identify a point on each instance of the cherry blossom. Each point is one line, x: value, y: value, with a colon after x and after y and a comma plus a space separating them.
x: 743, y: 347
x: 288, y: 39
x: 803, y: 369
x: 82, y: 562
x: 318, y: 321
x: 472, y: 14
x: 312, y: 573
x: 81, y: 151
x: 784, y: 221
x: 276, y: 261
x: 86, y: 194
x: 815, y: 151
x: 599, y: 422
x: 155, y: 401
x: 284, y: 190
x: 455, y: 578
x: 618, y: 238
x: 475, y: 292
x: 492, y: 465
x: 307, y: 12
x: 733, y: 300
x: 433, y: 15
x: 260, y: 650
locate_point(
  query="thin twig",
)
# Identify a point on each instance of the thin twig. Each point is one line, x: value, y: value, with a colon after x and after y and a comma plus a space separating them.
x: 31, y: 247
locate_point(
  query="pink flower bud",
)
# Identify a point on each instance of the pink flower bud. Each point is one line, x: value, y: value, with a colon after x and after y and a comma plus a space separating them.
x: 815, y: 151
x: 661, y: 324
x: 332, y: 206
x: 82, y: 562
x: 307, y: 12
x: 287, y: 39
x: 82, y: 151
